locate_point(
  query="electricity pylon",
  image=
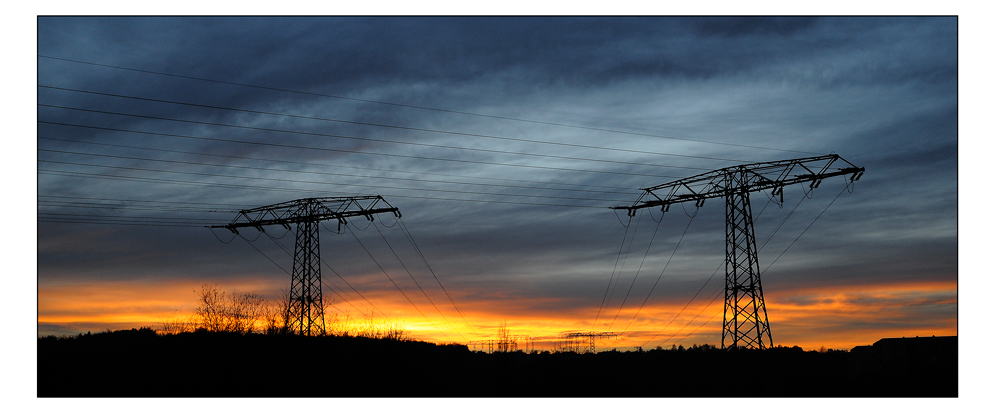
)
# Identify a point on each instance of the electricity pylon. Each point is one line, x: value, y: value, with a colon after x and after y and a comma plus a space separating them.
x: 306, y: 311
x: 592, y: 336
x: 744, y: 319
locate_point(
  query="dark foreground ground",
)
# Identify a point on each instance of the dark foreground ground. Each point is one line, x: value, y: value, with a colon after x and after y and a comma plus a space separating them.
x: 138, y: 363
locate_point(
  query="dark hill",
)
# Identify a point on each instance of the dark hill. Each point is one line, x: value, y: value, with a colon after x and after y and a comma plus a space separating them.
x: 139, y: 363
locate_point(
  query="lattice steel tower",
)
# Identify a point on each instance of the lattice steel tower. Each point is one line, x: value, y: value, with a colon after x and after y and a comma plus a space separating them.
x: 592, y: 336
x: 744, y: 320
x: 306, y: 311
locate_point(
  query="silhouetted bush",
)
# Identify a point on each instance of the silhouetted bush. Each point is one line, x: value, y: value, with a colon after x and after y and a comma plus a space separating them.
x: 232, y: 312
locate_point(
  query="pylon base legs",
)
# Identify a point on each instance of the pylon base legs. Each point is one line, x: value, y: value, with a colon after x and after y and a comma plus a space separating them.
x: 306, y: 309
x: 744, y: 323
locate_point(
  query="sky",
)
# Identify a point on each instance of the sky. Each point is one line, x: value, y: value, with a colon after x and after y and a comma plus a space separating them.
x: 503, y: 141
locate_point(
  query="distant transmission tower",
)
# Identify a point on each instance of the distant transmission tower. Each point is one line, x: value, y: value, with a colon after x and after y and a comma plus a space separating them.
x: 745, y: 314
x: 306, y: 311
x: 571, y: 337
x: 505, y: 342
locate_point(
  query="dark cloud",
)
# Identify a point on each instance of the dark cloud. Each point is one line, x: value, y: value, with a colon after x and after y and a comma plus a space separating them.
x: 739, y: 26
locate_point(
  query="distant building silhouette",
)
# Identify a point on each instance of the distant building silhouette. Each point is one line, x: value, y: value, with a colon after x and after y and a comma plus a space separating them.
x: 905, y: 350
x: 898, y: 366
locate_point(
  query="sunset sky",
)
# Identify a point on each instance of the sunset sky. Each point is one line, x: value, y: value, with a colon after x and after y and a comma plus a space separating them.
x: 503, y: 142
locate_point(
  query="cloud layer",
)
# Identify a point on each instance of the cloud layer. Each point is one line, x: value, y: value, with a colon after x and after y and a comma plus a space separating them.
x: 502, y: 140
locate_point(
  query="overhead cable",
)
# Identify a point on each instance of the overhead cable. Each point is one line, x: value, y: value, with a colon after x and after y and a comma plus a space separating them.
x: 417, y: 107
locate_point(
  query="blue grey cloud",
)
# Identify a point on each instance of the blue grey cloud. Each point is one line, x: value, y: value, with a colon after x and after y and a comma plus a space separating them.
x: 504, y: 142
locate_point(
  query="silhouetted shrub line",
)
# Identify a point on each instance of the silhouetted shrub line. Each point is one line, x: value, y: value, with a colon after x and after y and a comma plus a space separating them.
x: 247, y: 313
x: 140, y: 363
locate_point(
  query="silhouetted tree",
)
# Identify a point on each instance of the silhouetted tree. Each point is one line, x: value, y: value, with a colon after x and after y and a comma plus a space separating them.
x: 336, y: 324
x: 379, y: 327
x: 234, y: 312
x: 175, y: 325
x: 276, y: 315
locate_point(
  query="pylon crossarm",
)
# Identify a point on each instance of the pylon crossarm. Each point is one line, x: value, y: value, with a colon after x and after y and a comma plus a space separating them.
x: 308, y: 218
x: 342, y: 201
x: 757, y: 176
x: 309, y: 210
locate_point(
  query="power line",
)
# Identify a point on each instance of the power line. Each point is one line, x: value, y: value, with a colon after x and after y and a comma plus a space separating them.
x: 328, y: 135
x: 718, y: 293
x: 139, y: 200
x: 88, y: 205
x: 612, y: 277
x: 652, y: 238
x: 288, y: 273
x: 325, y: 165
x: 395, y: 284
x: 323, y: 281
x: 264, y: 254
x: 685, y: 306
x: 785, y: 219
x: 417, y: 107
x: 309, y: 191
x: 376, y: 227
x: 803, y: 231
x: 696, y: 316
x: 392, y: 127
x: 108, y: 222
x: 420, y: 254
x: 281, y: 268
x: 83, y: 202
x: 661, y: 273
x: 316, y: 182
x: 135, y: 158
x: 349, y: 285
x: 624, y: 259
x: 123, y: 218
x: 352, y: 151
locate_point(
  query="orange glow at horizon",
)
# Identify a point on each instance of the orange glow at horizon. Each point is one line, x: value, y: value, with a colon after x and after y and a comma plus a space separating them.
x: 833, y: 317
